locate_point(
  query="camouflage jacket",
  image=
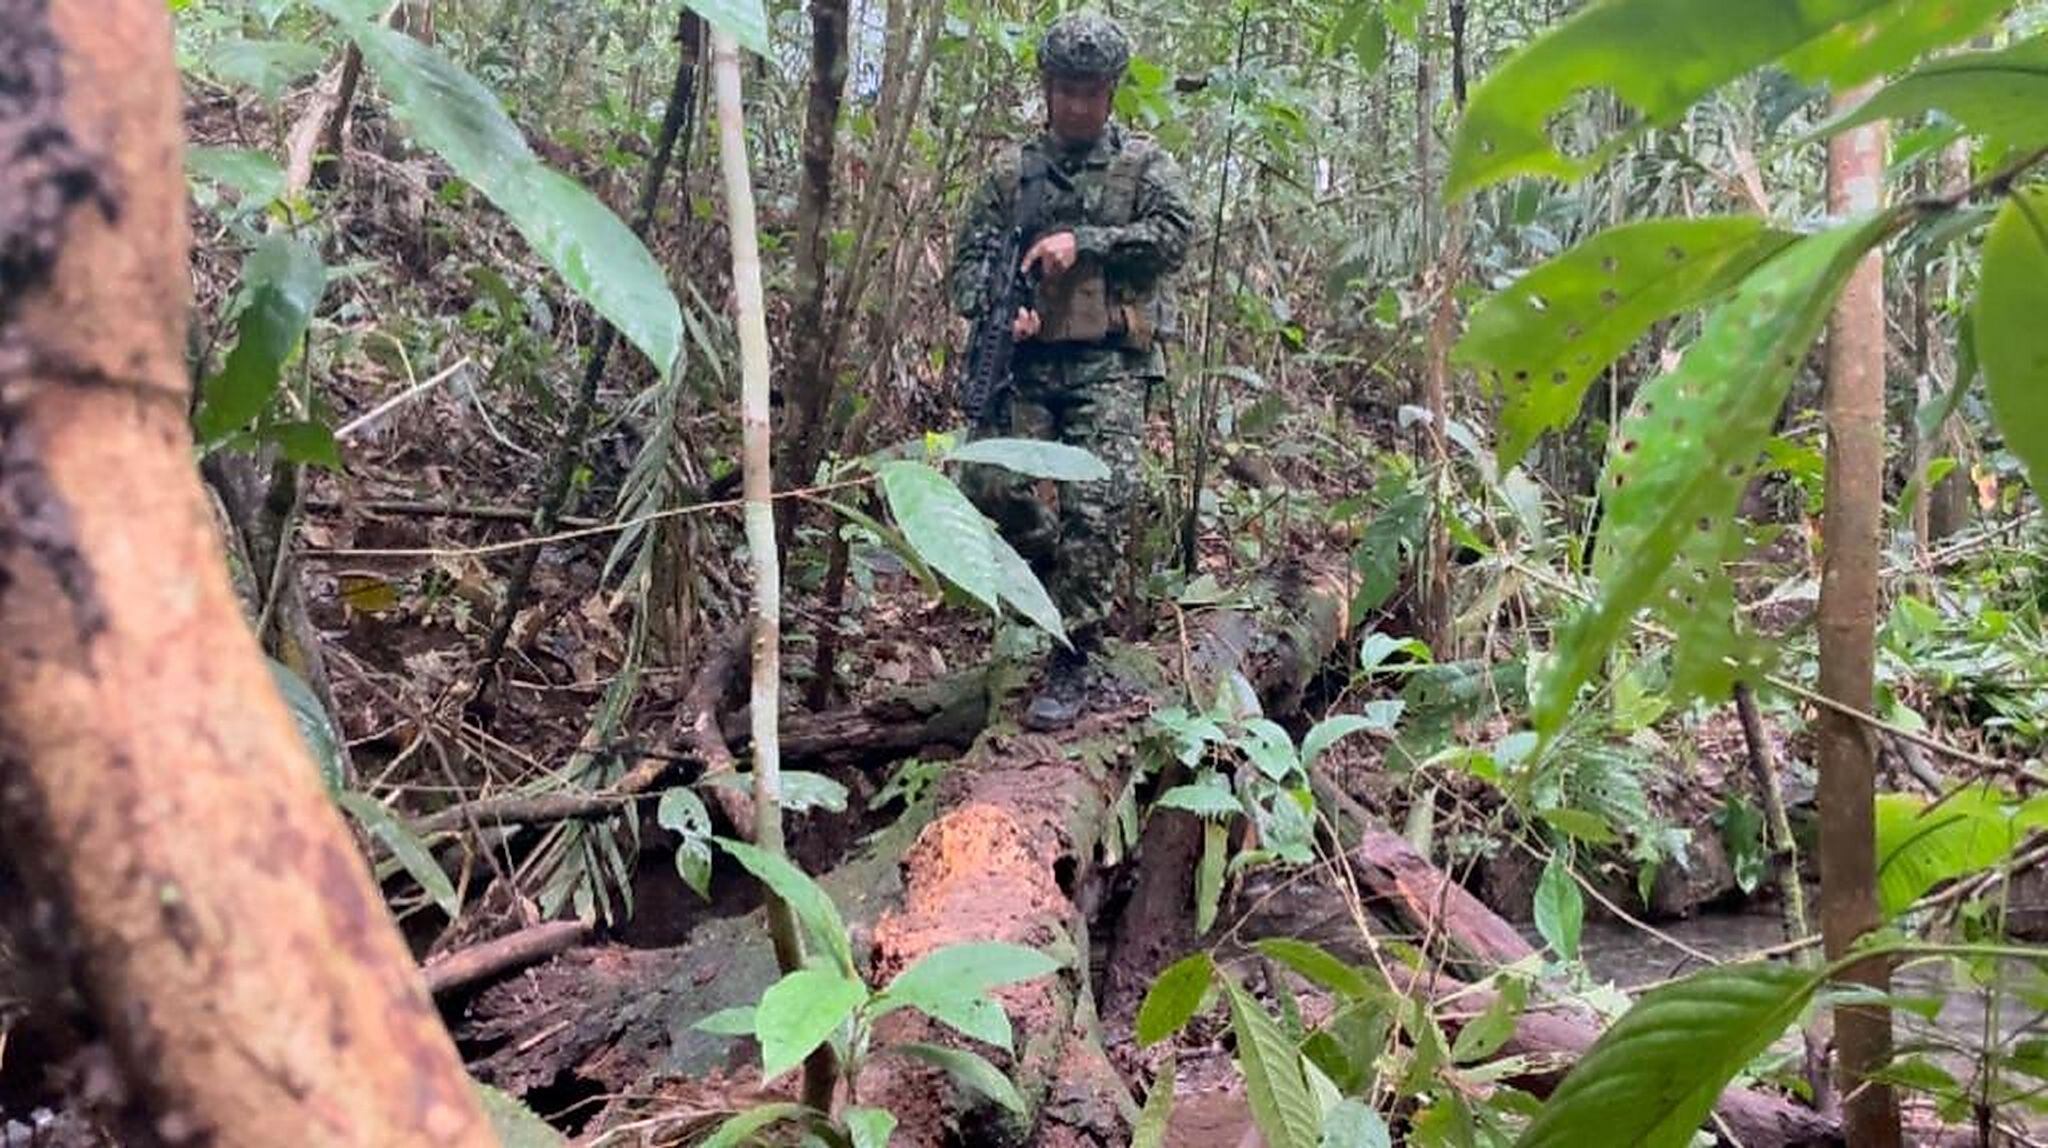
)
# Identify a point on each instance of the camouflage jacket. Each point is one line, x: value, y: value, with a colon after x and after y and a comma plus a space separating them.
x: 1138, y: 251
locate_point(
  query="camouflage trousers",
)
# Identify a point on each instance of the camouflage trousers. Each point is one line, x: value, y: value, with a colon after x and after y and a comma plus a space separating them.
x: 1072, y: 533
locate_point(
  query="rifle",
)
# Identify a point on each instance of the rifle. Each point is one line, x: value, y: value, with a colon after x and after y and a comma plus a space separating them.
x: 1008, y: 289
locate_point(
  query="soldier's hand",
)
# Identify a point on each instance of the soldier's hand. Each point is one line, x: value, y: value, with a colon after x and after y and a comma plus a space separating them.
x: 1025, y: 325
x: 1054, y: 254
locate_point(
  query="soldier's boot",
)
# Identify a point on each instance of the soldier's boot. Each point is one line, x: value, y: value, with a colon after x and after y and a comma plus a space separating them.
x: 1063, y: 693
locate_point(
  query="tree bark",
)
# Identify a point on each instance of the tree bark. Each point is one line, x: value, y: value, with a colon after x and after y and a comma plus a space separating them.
x: 1848, y: 617
x: 188, y: 868
x: 821, y: 1068
x: 810, y: 386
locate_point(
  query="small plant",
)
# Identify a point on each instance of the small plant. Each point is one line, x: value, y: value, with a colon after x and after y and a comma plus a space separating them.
x: 828, y: 1000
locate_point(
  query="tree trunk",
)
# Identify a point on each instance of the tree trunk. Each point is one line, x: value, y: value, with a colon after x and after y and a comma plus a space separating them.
x: 821, y: 1070
x: 193, y: 877
x: 1848, y: 617
x: 810, y: 387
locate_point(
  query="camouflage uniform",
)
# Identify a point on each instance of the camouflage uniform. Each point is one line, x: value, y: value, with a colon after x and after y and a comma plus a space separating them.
x: 1124, y: 200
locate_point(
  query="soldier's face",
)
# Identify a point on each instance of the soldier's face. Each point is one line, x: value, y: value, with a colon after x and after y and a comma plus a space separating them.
x: 1078, y: 107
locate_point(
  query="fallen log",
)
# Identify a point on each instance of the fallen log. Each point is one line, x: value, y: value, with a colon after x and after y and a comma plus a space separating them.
x: 479, y: 962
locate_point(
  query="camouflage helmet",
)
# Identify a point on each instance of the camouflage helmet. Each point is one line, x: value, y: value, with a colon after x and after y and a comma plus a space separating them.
x: 1085, y: 45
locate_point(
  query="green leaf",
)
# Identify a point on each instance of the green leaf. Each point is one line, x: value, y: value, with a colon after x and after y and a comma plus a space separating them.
x: 1686, y: 454
x: 1921, y: 846
x: 735, y: 1132
x: 970, y: 1070
x: 1660, y: 57
x: 819, y: 915
x: 746, y: 21
x: 1157, y: 1115
x: 1281, y: 1105
x: 943, y: 527
x: 2001, y: 95
x: 735, y: 1021
x: 1652, y: 1078
x: 1485, y: 1034
x: 514, y: 1124
x: 316, y: 728
x: 1037, y: 458
x: 1208, y: 798
x: 2007, y: 327
x: 952, y: 985
x: 1017, y: 585
x: 458, y: 118
x: 869, y: 1127
x: 284, y: 280
x: 406, y: 847
x: 1270, y: 748
x: 1353, y: 1124
x: 1209, y: 873
x: 1587, y: 827
x: 1319, y: 966
x: 799, y: 1012
x: 1560, y: 910
x: 693, y: 865
x: 311, y: 443
x: 1542, y: 341
x: 1379, y: 717
x: 683, y: 811
x: 1374, y: 651
x: 269, y: 66
x: 253, y: 175
x: 1172, y: 1000
x: 1890, y: 38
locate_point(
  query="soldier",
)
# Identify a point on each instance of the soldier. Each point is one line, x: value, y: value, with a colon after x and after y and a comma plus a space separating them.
x: 1112, y: 222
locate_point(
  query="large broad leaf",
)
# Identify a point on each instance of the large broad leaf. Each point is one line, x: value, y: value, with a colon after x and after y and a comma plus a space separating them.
x: 943, y: 527
x: 1687, y: 451
x: 970, y: 1070
x: 406, y: 847
x: 1919, y: 847
x: 1273, y: 1082
x: 2001, y: 95
x: 869, y: 1127
x: 1353, y: 1124
x: 596, y: 254
x: 746, y: 21
x: 1651, y: 1079
x: 1660, y: 56
x: 1540, y: 342
x: 1321, y: 967
x: 799, y: 1012
x: 269, y: 66
x: 2010, y: 334
x: 1378, y: 717
x: 1173, y: 998
x: 1017, y: 585
x: 1034, y: 457
x: 284, y: 279
x: 253, y: 175
x: 820, y: 917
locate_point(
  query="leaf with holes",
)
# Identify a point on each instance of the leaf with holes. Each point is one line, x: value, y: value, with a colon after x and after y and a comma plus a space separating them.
x: 284, y: 280
x: 1281, y: 1104
x: 1659, y: 57
x: 1174, y: 997
x: 2007, y: 327
x: 1653, y: 1077
x: 1542, y: 341
x: 1688, y: 449
x: 943, y: 527
x: 1036, y: 458
x: 459, y: 119
x: 2000, y: 95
